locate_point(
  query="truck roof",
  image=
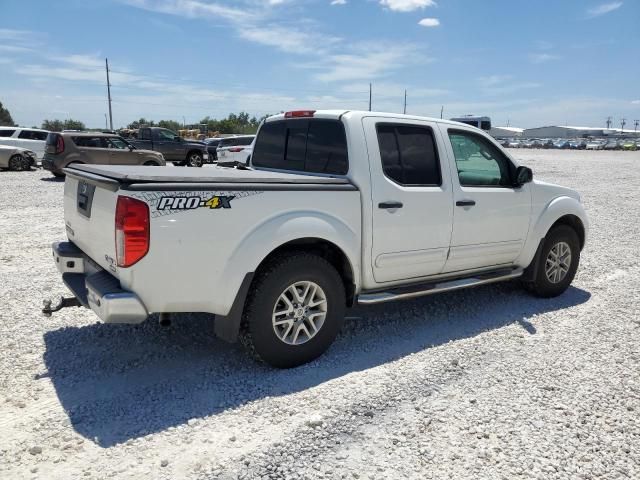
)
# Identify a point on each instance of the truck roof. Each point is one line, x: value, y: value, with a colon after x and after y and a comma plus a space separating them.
x: 355, y: 114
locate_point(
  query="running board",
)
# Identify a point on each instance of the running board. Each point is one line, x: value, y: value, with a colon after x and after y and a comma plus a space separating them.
x: 420, y: 290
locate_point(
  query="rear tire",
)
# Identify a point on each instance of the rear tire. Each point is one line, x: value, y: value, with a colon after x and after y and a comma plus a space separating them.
x: 557, y: 264
x: 19, y: 163
x: 295, y: 310
x: 194, y: 159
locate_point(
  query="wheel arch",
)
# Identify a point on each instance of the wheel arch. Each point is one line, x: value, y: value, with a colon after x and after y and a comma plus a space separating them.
x: 575, y: 223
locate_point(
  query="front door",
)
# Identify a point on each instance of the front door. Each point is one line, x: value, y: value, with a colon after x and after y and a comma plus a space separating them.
x: 491, y: 216
x: 411, y: 198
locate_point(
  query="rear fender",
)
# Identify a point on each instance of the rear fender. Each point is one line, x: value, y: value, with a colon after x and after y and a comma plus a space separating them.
x: 277, y: 231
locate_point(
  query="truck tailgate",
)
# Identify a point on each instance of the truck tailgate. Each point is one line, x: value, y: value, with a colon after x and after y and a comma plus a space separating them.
x: 89, y: 214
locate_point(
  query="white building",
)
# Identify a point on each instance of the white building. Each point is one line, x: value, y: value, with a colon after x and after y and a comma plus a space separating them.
x: 506, y: 132
x: 566, y: 132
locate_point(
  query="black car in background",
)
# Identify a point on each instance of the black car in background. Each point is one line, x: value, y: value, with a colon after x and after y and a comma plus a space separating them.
x: 212, y: 145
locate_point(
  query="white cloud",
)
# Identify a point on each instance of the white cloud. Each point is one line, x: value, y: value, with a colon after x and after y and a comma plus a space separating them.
x: 504, y: 84
x: 429, y: 22
x: 543, y: 57
x: 407, y: 5
x: 367, y: 62
x: 603, y: 9
x: 635, y: 102
x: 338, y: 2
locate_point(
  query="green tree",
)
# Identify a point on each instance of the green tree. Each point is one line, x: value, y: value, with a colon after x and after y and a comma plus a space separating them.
x: 142, y: 122
x: 5, y: 117
x: 59, y: 125
x: 170, y: 124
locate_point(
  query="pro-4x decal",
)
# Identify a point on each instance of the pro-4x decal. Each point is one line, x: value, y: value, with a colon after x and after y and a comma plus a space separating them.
x: 193, y: 202
x: 176, y: 202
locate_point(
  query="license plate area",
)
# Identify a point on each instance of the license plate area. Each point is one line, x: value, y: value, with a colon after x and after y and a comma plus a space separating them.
x: 85, y: 198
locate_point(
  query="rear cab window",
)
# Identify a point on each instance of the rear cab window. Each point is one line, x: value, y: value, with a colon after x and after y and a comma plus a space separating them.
x: 409, y: 155
x: 313, y: 145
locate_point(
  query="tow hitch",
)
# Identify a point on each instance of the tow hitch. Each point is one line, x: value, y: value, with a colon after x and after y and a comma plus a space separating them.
x: 62, y: 303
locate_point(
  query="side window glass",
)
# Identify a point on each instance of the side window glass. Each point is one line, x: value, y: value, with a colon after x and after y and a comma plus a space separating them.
x: 115, y: 142
x: 409, y: 155
x: 479, y: 163
x: 165, y: 136
x: 6, y: 133
x: 144, y: 134
x: 26, y: 135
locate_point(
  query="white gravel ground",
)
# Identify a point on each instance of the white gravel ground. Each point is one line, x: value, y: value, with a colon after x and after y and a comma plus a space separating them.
x: 481, y: 384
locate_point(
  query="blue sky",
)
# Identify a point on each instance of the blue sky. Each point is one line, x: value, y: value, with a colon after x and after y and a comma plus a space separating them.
x: 528, y: 63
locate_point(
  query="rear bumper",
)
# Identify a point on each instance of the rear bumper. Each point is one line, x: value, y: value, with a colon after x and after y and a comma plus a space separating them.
x: 96, y: 288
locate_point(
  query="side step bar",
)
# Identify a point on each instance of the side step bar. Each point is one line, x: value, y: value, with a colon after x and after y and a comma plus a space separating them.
x: 422, y: 289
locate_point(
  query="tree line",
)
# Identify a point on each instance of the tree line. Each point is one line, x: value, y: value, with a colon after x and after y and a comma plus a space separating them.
x: 240, y: 123
x: 233, y: 123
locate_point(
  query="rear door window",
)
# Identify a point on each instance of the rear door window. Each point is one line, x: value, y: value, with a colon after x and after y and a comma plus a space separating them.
x: 6, y: 133
x: 32, y: 135
x: 409, y: 155
x: 309, y: 145
x: 89, y: 142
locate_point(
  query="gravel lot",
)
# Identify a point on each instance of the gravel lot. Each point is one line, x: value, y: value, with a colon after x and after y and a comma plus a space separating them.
x: 485, y: 383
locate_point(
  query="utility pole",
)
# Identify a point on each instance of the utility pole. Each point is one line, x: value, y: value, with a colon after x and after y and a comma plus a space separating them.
x: 609, y: 122
x: 623, y: 122
x: 106, y: 63
x: 405, y: 102
x: 636, y: 123
x: 370, y: 95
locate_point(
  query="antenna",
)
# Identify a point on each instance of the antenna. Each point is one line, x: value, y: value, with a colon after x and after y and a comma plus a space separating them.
x: 405, y: 102
x: 370, y: 95
x: 106, y: 63
x: 441, y: 111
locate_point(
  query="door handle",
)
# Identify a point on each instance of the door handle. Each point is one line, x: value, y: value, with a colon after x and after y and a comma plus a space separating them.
x: 390, y: 205
x: 465, y: 203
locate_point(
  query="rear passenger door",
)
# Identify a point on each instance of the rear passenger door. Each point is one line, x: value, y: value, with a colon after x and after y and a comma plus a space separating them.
x: 93, y: 150
x: 412, y: 198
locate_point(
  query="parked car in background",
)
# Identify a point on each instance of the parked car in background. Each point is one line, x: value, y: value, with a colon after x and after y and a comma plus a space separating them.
x: 66, y: 148
x: 174, y: 148
x: 235, y: 149
x: 577, y: 144
x: 212, y: 145
x: 561, y: 144
x: 595, y: 145
x: 547, y: 143
x: 611, y: 145
x: 513, y: 143
x: 16, y: 158
x: 629, y: 144
x: 32, y: 139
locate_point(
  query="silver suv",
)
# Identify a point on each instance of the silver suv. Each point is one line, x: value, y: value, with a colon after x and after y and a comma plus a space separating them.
x: 63, y: 149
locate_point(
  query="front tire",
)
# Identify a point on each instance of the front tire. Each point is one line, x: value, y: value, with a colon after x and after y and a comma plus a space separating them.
x: 295, y: 310
x: 557, y: 264
x: 19, y: 163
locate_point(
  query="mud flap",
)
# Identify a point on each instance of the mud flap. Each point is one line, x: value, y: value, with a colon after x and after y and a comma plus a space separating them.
x: 227, y: 327
x: 531, y: 272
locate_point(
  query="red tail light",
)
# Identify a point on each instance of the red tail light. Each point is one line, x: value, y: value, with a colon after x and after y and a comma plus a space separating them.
x: 132, y: 230
x: 59, y: 144
x: 300, y: 114
x: 236, y: 149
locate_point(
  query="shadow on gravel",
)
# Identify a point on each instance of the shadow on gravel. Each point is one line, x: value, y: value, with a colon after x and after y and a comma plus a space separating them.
x: 122, y: 382
x: 52, y: 179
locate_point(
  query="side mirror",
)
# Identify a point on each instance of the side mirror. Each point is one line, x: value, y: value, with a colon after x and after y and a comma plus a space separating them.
x: 523, y: 175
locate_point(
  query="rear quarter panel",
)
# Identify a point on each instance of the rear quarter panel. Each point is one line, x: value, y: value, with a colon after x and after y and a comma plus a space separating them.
x: 198, y: 257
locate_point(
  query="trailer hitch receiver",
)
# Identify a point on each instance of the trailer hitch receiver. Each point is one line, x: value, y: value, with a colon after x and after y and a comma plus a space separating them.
x: 62, y: 303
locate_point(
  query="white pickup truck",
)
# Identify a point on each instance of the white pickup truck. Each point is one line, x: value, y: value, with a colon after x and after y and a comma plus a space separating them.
x: 336, y: 208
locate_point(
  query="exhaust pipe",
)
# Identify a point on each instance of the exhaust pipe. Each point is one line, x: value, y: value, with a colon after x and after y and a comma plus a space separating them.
x: 165, y: 320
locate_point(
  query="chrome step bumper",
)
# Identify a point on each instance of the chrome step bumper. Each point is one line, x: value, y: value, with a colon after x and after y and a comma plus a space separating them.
x: 95, y: 288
